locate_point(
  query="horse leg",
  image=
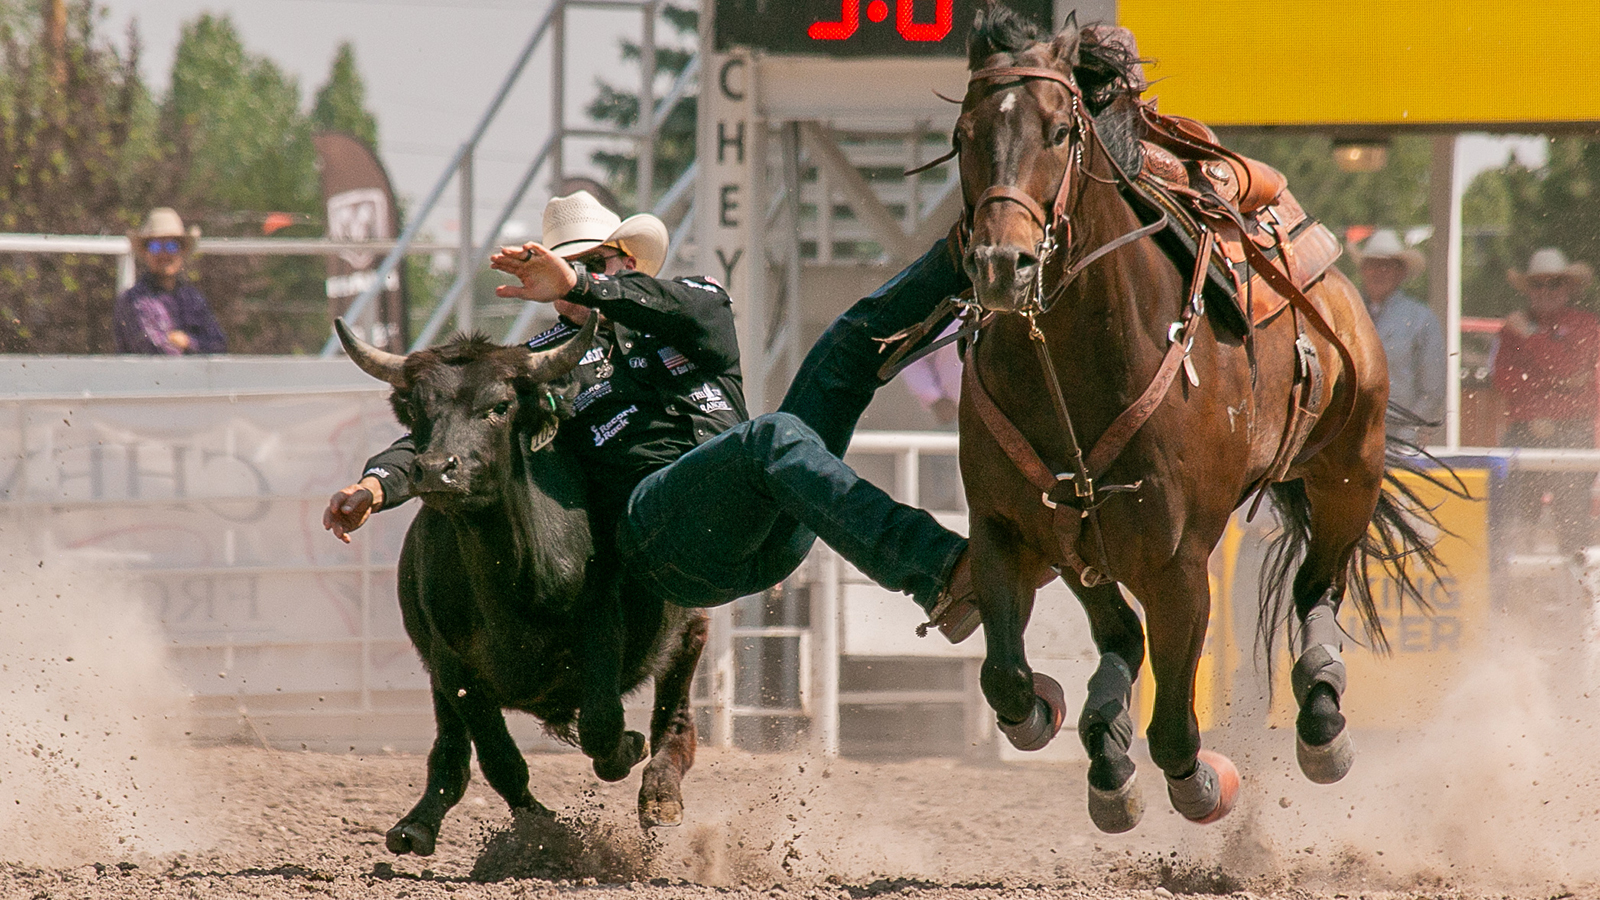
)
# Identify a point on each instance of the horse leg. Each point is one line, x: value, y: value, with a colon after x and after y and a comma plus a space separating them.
x: 1029, y: 705
x: 1105, y: 726
x: 1338, y: 518
x: 1202, y: 785
x: 672, y: 731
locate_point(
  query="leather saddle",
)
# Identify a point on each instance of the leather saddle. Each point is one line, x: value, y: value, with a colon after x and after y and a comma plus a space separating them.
x: 1189, y: 175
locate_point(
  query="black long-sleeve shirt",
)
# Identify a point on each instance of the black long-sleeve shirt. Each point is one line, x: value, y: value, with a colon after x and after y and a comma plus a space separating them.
x: 663, y: 378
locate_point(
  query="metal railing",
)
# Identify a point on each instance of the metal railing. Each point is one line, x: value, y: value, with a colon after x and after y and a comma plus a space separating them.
x: 457, y: 299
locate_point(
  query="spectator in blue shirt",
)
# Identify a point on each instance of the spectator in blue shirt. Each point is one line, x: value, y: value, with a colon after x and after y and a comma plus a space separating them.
x: 1410, y: 332
x: 164, y: 313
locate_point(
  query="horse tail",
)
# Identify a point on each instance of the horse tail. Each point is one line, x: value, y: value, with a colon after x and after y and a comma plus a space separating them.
x: 1400, y: 539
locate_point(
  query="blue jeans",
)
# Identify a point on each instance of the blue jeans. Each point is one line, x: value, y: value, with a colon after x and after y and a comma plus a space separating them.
x: 738, y: 514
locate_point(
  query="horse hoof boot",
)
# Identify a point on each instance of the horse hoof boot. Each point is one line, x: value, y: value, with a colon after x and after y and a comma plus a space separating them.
x: 1044, y: 723
x: 1329, y: 762
x: 1117, y: 811
x: 410, y: 837
x: 1209, y: 793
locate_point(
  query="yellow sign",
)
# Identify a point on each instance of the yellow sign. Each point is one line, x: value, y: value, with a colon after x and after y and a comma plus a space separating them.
x: 1403, y: 62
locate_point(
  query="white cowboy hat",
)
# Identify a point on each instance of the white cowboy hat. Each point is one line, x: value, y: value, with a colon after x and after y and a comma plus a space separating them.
x: 578, y: 223
x: 163, y: 221
x: 1386, y: 243
x: 1548, y: 261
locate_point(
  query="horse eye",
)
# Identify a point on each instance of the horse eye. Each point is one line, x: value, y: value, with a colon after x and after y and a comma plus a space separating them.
x: 1060, y: 135
x: 501, y: 408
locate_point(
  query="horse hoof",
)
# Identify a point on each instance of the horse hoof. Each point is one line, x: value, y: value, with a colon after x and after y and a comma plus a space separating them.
x: 1044, y: 722
x: 1329, y: 762
x: 1117, y: 811
x: 1209, y: 793
x: 410, y: 837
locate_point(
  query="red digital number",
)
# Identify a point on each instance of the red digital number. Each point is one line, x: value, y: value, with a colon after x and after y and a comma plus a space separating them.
x: 943, y: 17
x: 849, y: 20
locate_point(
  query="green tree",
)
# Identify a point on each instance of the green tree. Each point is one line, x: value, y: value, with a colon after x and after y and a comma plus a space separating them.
x: 77, y: 156
x: 675, y: 143
x: 239, y: 116
x: 1511, y: 211
x: 342, y: 103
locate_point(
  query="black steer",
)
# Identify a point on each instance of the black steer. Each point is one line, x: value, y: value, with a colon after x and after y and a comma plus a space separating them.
x: 510, y: 601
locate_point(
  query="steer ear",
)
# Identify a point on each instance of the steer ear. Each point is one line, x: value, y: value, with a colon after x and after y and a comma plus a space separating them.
x: 548, y: 365
x: 380, y: 364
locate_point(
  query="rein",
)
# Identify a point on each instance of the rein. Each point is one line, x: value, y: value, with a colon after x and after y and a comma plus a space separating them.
x: 1086, y: 496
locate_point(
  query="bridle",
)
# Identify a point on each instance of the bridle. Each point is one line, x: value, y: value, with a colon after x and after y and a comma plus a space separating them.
x: 1057, y: 236
x: 1056, y: 231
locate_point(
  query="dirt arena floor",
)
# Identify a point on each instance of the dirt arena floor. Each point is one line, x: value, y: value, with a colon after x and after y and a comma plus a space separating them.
x: 1496, y: 795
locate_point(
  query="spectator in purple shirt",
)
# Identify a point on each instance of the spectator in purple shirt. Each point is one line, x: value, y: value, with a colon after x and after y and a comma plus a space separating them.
x: 164, y: 313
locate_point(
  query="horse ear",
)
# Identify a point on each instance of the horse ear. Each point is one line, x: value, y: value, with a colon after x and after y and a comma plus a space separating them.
x: 1065, y: 45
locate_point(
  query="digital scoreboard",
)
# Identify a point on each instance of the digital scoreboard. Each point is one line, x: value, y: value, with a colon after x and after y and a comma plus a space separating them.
x: 857, y: 28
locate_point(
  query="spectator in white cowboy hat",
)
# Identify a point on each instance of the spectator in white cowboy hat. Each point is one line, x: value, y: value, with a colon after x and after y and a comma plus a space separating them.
x: 1410, y: 332
x: 1544, y: 367
x: 164, y: 313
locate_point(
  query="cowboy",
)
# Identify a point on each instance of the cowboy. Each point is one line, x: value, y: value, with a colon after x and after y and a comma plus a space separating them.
x: 1544, y: 367
x: 1410, y: 332
x: 164, y: 313
x: 706, y: 506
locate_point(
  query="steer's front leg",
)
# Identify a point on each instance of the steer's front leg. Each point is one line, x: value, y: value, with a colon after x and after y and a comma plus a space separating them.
x: 449, y: 768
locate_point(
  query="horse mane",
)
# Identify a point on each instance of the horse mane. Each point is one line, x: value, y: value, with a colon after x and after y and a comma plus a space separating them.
x: 999, y: 29
x: 1108, y: 71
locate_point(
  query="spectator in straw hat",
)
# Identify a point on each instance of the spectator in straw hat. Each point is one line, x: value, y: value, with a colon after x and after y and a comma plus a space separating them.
x: 164, y: 313
x: 1410, y: 332
x: 1544, y: 366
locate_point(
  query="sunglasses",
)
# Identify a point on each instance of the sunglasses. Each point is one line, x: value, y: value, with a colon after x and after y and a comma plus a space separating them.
x: 156, y: 246
x: 1546, y: 283
x: 597, y: 260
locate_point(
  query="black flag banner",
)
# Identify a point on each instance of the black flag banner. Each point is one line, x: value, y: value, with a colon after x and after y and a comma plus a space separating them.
x: 360, y: 207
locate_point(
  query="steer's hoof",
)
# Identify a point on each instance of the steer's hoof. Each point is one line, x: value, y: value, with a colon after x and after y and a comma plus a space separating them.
x: 410, y: 837
x: 1329, y: 762
x: 660, y: 797
x: 1209, y: 793
x: 1044, y: 723
x: 1117, y: 811
x: 630, y: 750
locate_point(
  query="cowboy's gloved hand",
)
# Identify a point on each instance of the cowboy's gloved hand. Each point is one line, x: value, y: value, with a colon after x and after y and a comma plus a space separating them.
x: 545, y: 276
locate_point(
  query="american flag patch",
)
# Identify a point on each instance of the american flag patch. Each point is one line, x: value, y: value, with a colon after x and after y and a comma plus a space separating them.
x: 674, y: 360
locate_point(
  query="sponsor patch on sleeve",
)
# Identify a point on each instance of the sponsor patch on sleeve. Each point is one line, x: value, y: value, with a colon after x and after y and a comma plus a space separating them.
x: 704, y: 283
x: 555, y: 334
x: 709, y: 398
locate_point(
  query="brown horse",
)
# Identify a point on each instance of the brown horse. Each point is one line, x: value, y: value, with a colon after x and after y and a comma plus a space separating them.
x: 1094, y: 334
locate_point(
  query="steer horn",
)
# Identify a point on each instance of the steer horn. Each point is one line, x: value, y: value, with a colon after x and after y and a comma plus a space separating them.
x: 380, y: 364
x: 547, y: 365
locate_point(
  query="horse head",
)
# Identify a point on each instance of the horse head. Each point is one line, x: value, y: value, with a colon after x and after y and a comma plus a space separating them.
x: 466, y: 403
x: 1025, y: 124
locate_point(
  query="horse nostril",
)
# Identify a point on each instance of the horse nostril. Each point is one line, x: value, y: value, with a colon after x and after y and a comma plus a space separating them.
x: 1026, y: 261
x: 450, y: 462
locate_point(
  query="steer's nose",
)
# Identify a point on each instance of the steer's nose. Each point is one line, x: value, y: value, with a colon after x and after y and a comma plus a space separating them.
x: 436, y: 472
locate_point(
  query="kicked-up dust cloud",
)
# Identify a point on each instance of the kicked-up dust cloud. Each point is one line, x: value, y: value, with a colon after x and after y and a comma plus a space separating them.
x: 92, y: 755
